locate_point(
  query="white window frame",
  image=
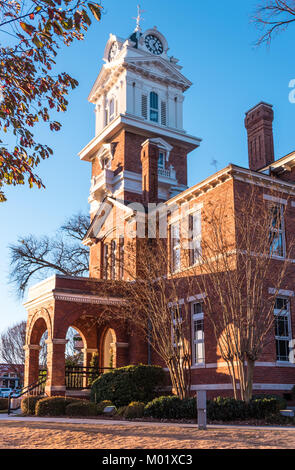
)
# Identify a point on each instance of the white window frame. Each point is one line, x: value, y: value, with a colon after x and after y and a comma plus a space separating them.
x: 279, y: 232
x: 113, y: 270
x: 195, y: 238
x: 195, y: 318
x: 175, y: 247
x: 279, y: 313
x: 151, y: 109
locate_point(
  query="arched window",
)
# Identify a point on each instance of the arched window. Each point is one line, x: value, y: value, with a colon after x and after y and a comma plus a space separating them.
x: 154, y: 107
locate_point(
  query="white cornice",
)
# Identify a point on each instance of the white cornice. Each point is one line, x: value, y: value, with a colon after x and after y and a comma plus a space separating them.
x: 72, y: 297
x: 134, y: 123
x: 238, y: 173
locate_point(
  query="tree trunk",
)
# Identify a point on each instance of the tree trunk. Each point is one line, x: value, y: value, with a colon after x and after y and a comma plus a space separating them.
x: 249, y: 382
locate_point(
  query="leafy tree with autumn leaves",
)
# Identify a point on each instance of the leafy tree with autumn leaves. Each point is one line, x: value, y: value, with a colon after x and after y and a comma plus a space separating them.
x: 30, y: 91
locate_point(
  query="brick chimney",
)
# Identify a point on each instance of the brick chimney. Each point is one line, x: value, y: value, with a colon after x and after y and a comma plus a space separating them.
x: 258, y: 123
x: 149, y: 161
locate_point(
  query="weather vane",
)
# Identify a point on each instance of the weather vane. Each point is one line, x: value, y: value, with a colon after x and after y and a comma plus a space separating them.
x: 139, y: 18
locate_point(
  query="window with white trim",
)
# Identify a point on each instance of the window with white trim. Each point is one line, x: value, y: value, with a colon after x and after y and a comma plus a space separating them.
x: 113, y: 259
x: 176, y: 319
x: 175, y: 246
x: 111, y: 110
x: 154, y: 107
x: 198, y: 342
x: 105, y: 260
x: 277, y: 231
x: 282, y: 329
x: 161, y: 159
x: 121, y: 259
x: 195, y: 237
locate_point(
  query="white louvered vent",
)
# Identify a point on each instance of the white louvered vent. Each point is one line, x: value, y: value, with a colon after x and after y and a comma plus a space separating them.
x: 144, y: 106
x: 163, y: 113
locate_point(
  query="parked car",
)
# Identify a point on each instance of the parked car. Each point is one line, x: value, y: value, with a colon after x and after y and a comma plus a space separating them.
x: 5, y: 392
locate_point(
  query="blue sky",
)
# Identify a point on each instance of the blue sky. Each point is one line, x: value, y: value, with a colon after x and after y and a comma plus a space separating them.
x: 214, y: 42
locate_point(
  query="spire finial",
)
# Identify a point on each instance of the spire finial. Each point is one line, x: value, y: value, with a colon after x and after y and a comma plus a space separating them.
x: 139, y: 18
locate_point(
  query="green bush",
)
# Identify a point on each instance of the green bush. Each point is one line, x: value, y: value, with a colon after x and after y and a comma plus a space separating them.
x: 171, y: 407
x: 282, y: 403
x: 135, y: 409
x: 81, y: 408
x: 101, y: 406
x: 28, y: 404
x: 53, y: 406
x: 126, y: 384
x: 229, y: 409
x: 3, y: 403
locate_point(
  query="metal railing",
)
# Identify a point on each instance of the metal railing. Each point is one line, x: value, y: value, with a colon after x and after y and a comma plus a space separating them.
x: 34, y: 389
x: 80, y: 377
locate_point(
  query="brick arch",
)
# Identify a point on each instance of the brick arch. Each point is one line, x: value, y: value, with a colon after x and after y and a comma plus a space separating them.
x: 107, y: 330
x: 39, y: 323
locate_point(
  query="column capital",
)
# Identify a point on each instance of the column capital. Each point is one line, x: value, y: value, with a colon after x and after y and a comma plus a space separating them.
x: 36, y: 347
x: 89, y: 350
x: 56, y: 341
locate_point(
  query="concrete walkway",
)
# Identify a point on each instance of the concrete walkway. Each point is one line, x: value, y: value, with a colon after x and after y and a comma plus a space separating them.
x: 110, y: 422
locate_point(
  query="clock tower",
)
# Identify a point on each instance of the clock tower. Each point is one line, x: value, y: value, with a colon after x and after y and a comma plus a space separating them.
x: 138, y: 98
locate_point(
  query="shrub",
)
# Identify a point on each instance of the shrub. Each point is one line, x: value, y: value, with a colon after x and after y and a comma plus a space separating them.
x: 164, y: 408
x: 101, y: 406
x: 81, y: 408
x: 282, y: 403
x: 229, y: 409
x: 226, y: 409
x: 53, y: 406
x: 3, y: 403
x: 126, y: 384
x: 28, y: 404
x: 135, y: 409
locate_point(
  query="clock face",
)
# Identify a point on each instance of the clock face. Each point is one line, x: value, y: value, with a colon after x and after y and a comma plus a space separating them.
x: 113, y: 51
x: 154, y: 44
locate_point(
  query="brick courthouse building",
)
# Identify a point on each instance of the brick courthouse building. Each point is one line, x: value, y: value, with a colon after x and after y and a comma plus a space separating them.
x: 139, y: 156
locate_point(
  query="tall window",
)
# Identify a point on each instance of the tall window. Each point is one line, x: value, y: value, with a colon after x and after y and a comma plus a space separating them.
x: 282, y: 329
x: 161, y: 160
x: 112, y: 110
x: 175, y: 246
x: 198, y: 344
x: 195, y: 237
x: 113, y: 259
x: 105, y: 261
x: 276, y: 234
x: 154, y: 107
x: 176, y: 317
x: 121, y: 259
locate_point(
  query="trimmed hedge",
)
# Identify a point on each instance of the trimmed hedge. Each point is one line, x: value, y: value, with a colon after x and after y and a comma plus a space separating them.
x: 81, y: 408
x: 171, y: 407
x: 219, y: 409
x: 3, y: 403
x: 282, y: 403
x: 53, y: 406
x: 229, y: 409
x: 28, y: 404
x: 135, y: 409
x: 101, y: 406
x: 126, y: 384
